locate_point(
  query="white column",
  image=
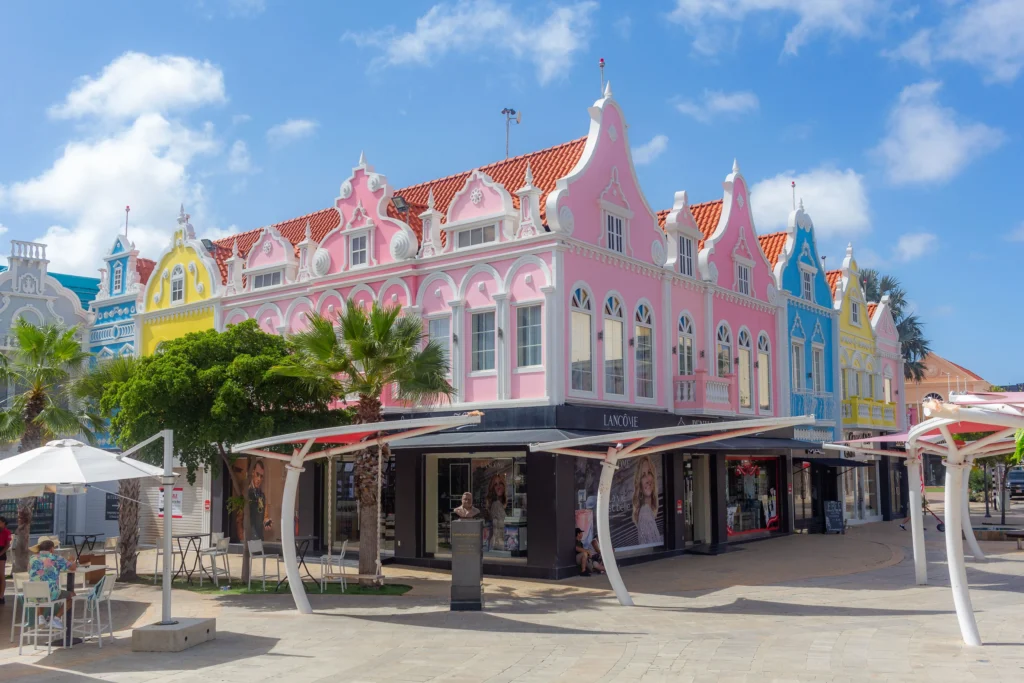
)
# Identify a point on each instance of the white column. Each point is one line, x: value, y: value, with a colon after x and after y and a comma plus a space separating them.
x: 917, y: 518
x: 291, y: 565
x: 955, y: 550
x: 458, y: 365
x: 554, y: 327
x: 668, y: 329
x: 503, y: 349
x: 604, y: 490
x: 972, y: 542
x: 168, y: 481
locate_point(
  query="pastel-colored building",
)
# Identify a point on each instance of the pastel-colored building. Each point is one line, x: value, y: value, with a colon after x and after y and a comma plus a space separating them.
x: 182, y: 292
x: 123, y: 279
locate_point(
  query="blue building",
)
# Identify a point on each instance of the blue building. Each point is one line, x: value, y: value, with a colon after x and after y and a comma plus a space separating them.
x: 121, y: 288
x: 812, y: 325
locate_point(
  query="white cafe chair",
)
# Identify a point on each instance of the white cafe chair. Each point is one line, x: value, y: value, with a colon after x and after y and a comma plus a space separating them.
x: 109, y: 549
x: 256, y: 552
x: 219, y: 549
x: 18, y: 578
x: 36, y: 596
x: 85, y: 612
x: 327, y: 565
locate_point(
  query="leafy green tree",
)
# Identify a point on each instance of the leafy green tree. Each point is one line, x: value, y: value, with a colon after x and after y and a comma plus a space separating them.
x: 42, y: 367
x: 913, y: 343
x: 364, y: 355
x: 213, y: 389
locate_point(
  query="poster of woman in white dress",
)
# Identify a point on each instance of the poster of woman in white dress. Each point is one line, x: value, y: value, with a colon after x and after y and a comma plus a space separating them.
x: 636, y: 510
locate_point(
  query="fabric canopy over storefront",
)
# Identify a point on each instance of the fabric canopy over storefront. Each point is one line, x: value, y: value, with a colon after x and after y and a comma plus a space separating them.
x: 832, y: 462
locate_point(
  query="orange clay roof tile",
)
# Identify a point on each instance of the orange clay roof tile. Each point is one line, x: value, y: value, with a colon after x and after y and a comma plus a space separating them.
x: 706, y: 216
x: 144, y: 267
x: 547, y: 165
x: 871, y: 310
x: 771, y: 245
x: 833, y: 277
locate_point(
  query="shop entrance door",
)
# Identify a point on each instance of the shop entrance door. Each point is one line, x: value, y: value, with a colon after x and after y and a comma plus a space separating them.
x: 688, y: 503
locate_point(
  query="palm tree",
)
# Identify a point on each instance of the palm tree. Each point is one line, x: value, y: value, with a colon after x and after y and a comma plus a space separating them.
x: 42, y: 367
x: 90, y: 389
x: 365, y: 354
x: 913, y: 344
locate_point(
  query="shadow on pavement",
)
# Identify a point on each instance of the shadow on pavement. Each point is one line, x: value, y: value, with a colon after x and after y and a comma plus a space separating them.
x: 745, y: 606
x: 37, y: 674
x: 125, y: 614
x: 474, y: 621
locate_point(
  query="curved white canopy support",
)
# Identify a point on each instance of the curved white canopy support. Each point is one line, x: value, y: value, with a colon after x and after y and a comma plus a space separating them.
x: 346, y: 439
x: 636, y: 445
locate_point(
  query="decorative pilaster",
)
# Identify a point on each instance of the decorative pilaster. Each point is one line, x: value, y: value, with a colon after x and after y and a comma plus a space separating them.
x: 503, y: 348
x: 529, y: 207
x: 459, y: 340
x: 235, y: 263
x: 431, y: 237
x: 307, y: 247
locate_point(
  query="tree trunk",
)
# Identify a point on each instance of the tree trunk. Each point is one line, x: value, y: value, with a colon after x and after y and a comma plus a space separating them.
x: 128, y: 527
x: 238, y: 485
x: 25, y: 508
x: 367, y: 475
x: 32, y: 438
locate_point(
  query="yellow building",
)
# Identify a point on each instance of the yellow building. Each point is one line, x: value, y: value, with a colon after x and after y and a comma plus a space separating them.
x: 183, y: 293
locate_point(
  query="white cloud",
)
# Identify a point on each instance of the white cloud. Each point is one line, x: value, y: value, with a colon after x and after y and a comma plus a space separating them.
x: 239, y: 119
x: 3, y: 228
x: 914, y: 245
x: 290, y: 131
x: 843, y: 18
x: 624, y: 27
x: 836, y: 200
x: 649, y: 151
x: 145, y: 165
x: 1017, y: 234
x: 926, y: 142
x: 987, y: 34
x: 239, y: 160
x: 136, y: 83
x: 715, y: 103
x: 497, y: 30
x: 246, y: 8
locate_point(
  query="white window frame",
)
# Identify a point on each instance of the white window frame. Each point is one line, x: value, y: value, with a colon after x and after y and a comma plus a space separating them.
x: 589, y: 312
x: 177, y: 276
x: 608, y: 216
x: 468, y: 230
x: 887, y: 389
x: 448, y: 341
x: 817, y: 374
x: 686, y: 256
x: 352, y: 237
x: 118, y: 279
x: 743, y: 267
x: 855, y: 313
x: 646, y: 322
x: 619, y: 318
x: 686, y: 347
x: 799, y: 373
x: 266, y: 274
x: 764, y: 354
x: 727, y: 344
x: 540, y: 336
x: 749, y: 348
x: 493, y: 370
x: 806, y: 283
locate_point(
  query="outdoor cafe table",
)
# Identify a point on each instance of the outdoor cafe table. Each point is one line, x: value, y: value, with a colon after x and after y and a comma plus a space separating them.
x: 301, y: 548
x: 191, y: 541
x: 87, y: 540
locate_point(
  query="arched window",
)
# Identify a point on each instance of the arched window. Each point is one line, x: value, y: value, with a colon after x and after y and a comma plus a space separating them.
x: 723, y: 349
x: 746, y: 384
x: 177, y: 285
x: 614, y: 347
x: 764, y: 373
x: 933, y: 397
x: 644, y: 352
x: 685, y: 347
x: 118, y: 279
x: 582, y: 368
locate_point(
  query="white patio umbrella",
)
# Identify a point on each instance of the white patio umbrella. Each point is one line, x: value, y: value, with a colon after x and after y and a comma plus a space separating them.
x: 67, y: 462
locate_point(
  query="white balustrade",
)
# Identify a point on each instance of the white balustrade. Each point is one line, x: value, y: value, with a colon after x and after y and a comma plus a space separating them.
x: 28, y: 250
x: 717, y: 392
x: 686, y: 391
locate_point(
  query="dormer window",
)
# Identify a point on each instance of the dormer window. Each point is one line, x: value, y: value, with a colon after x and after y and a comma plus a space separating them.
x: 264, y: 280
x: 472, y: 237
x: 743, y: 279
x: 686, y: 256
x: 118, y: 279
x: 358, y: 250
x: 855, y: 313
x: 807, y: 285
x: 177, y: 285
x: 614, y: 237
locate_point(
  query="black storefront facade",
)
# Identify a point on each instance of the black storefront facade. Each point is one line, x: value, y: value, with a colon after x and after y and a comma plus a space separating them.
x: 700, y: 500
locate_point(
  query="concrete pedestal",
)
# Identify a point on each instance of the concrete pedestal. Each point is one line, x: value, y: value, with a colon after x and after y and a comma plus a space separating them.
x: 173, y: 637
x: 467, y: 565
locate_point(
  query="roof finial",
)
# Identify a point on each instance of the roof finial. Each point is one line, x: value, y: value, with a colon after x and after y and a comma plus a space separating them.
x: 309, y: 230
x: 735, y: 166
x: 430, y: 199
x: 234, y: 248
x: 608, y: 90
x: 849, y: 249
x: 801, y: 203
x: 529, y: 174
x: 362, y: 158
x: 600, y: 65
x: 182, y: 218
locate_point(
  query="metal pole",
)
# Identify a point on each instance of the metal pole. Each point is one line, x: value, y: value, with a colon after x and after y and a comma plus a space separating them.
x: 168, y: 482
x: 988, y: 494
x: 604, y: 491
x: 955, y: 550
x: 917, y: 518
x: 972, y: 542
x: 291, y: 565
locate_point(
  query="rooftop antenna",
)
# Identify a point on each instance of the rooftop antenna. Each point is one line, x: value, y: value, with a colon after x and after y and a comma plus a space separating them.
x: 126, y: 210
x: 600, y: 65
x: 792, y: 184
x: 509, y: 112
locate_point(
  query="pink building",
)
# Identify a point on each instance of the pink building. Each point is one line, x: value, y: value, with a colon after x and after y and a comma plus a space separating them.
x: 566, y: 304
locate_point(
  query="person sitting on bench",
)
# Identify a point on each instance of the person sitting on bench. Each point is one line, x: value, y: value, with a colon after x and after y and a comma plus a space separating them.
x: 587, y: 558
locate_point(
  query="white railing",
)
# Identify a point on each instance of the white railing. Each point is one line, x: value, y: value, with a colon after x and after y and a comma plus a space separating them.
x: 717, y: 392
x: 817, y: 434
x: 863, y: 412
x: 113, y: 332
x: 890, y: 414
x: 686, y: 391
x: 818, y: 403
x: 847, y: 411
x: 28, y: 250
x: 876, y: 413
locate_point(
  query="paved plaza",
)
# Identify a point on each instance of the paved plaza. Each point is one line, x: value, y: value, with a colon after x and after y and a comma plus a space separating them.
x: 801, y: 608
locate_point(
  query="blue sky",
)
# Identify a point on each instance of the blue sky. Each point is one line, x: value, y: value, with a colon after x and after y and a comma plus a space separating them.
x: 900, y: 121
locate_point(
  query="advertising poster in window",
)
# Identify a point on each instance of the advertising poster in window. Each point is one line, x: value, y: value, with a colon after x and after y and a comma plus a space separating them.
x: 636, y: 511
x: 177, y: 498
x: 263, y: 499
x: 492, y: 493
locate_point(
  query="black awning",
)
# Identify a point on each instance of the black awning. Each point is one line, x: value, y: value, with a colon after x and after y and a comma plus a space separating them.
x: 832, y: 462
x: 490, y: 439
x: 741, y: 443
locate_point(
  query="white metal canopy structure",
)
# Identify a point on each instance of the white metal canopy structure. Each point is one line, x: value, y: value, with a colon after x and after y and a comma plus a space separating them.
x: 336, y: 441
x: 621, y: 445
x: 998, y: 416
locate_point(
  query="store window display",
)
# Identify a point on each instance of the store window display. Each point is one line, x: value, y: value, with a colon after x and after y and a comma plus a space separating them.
x: 752, y: 503
x: 636, y: 514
